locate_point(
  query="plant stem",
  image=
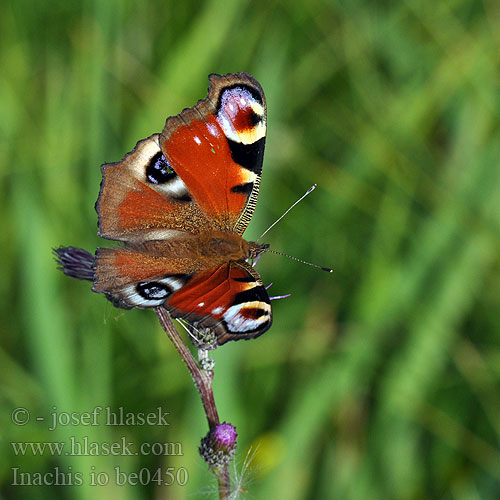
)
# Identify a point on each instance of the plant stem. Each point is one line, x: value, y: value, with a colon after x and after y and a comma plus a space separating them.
x: 203, y: 382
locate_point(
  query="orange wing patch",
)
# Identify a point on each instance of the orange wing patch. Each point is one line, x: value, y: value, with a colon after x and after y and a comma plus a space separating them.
x: 217, y: 149
x: 117, y: 267
x: 134, y: 205
x: 200, y: 154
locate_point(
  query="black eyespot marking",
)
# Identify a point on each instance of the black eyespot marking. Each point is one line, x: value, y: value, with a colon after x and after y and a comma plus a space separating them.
x: 184, y: 197
x: 246, y: 279
x: 159, y: 170
x: 256, y: 313
x: 249, y: 156
x: 243, y: 188
x: 256, y: 294
x: 153, y: 290
x: 181, y: 276
x: 254, y: 118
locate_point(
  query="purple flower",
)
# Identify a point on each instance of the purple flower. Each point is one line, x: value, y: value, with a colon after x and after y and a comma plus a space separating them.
x: 225, y: 435
x: 219, y: 445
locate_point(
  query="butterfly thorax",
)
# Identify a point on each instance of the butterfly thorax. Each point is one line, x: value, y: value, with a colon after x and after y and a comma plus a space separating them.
x: 228, y: 246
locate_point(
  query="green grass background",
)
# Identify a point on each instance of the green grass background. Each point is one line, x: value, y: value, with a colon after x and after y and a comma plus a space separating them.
x: 380, y: 381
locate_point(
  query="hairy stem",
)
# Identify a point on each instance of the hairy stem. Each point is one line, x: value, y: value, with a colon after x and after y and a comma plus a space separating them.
x: 203, y: 382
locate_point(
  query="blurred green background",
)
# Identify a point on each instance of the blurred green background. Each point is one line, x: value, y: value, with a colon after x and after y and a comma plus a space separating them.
x: 380, y: 381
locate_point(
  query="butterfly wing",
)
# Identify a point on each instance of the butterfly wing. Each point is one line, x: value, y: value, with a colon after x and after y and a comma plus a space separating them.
x: 133, y: 277
x: 230, y: 298
x: 142, y: 198
x: 217, y: 149
x: 200, y: 175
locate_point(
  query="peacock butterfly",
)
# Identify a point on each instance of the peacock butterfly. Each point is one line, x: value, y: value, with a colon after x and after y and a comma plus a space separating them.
x: 180, y: 202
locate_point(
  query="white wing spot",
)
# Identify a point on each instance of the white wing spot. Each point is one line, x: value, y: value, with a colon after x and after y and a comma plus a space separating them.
x: 130, y: 296
x: 173, y: 283
x: 237, y: 322
x: 201, y: 304
x: 213, y: 130
x: 231, y: 100
x: 197, y: 140
x: 163, y: 234
x: 217, y: 310
x: 175, y: 187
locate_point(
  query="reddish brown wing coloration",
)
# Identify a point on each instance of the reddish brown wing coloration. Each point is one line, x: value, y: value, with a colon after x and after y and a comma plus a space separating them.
x: 180, y: 201
x: 231, y: 299
x: 133, y: 208
x: 154, y: 260
x: 217, y: 148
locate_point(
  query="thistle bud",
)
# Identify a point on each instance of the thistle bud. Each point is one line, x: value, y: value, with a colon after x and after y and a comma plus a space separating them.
x: 219, y: 445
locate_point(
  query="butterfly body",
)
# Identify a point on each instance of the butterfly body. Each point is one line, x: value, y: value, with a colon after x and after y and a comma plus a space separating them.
x: 180, y: 202
x: 189, y: 255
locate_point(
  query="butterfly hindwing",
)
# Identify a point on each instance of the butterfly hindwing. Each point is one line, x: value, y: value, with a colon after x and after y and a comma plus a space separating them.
x: 230, y: 299
x: 132, y: 277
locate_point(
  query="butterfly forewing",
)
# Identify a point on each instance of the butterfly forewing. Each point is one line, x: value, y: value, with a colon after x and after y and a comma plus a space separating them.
x: 217, y: 149
x: 142, y: 198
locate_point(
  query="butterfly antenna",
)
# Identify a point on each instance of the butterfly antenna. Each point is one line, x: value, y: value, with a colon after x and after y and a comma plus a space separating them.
x: 327, y: 269
x: 309, y: 191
